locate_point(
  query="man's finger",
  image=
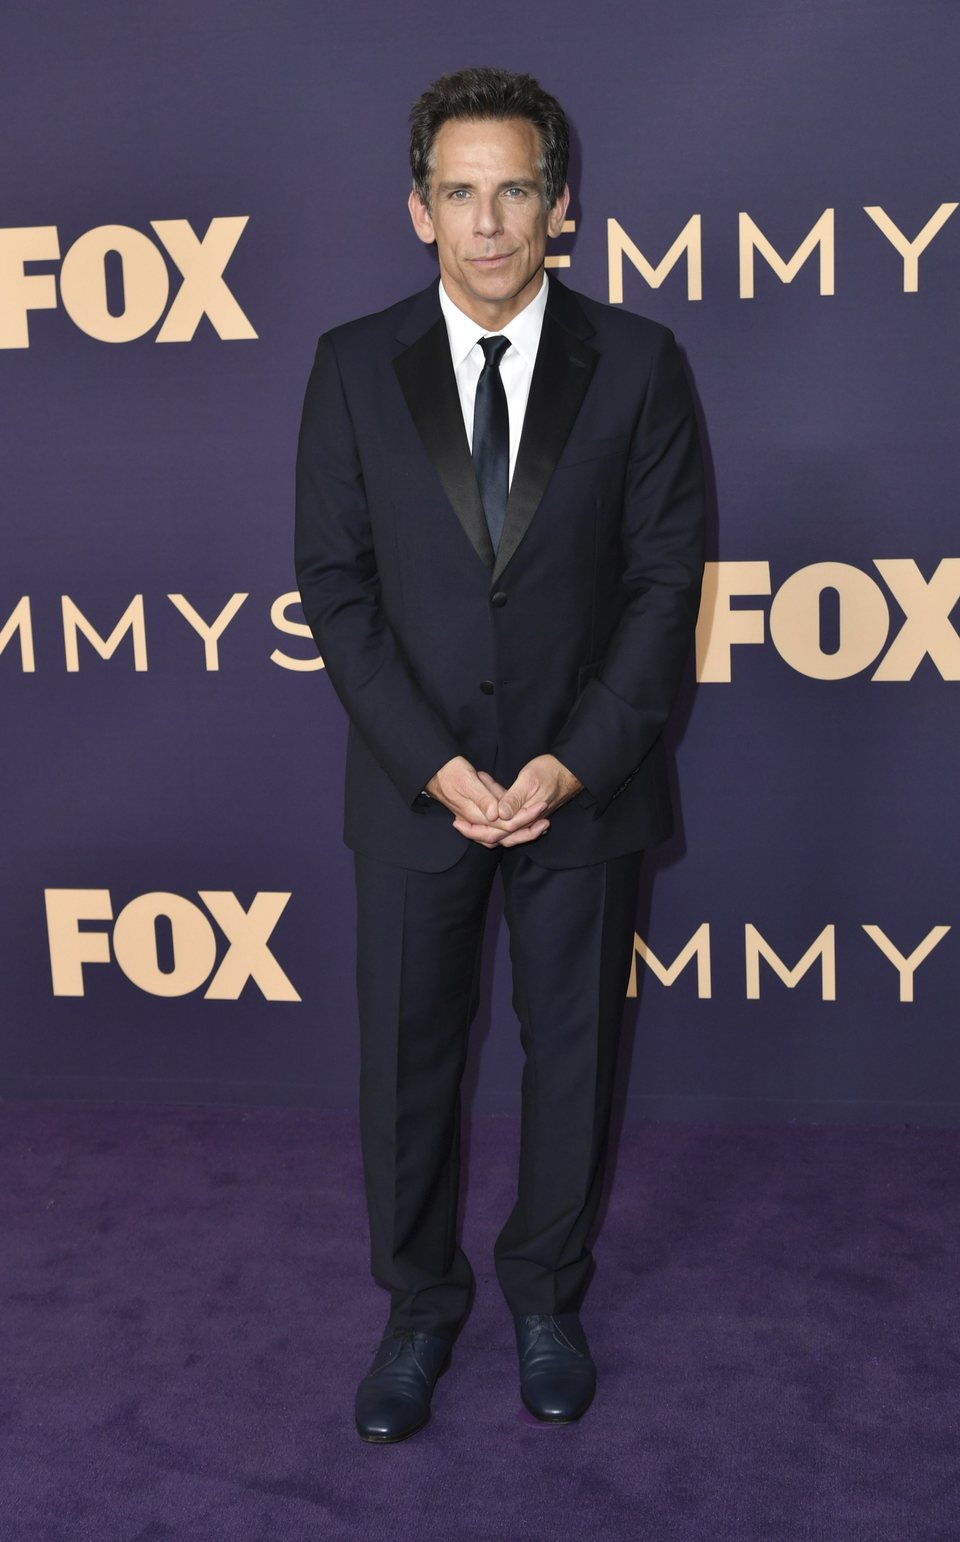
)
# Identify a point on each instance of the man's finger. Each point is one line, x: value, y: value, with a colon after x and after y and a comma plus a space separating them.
x: 526, y: 833
x: 493, y: 835
x: 481, y: 811
x: 518, y: 797
x: 482, y: 833
x: 524, y: 816
x: 479, y: 796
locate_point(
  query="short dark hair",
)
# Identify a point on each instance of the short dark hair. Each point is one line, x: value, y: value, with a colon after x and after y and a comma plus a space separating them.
x: 489, y: 93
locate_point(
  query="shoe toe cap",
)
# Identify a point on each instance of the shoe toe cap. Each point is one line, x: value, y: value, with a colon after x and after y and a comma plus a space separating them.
x: 387, y: 1416
x: 560, y: 1394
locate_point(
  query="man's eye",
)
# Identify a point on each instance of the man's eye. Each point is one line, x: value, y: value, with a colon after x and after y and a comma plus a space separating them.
x: 459, y: 193
x: 519, y: 192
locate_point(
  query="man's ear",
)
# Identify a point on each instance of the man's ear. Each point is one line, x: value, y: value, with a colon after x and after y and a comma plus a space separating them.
x: 558, y: 213
x: 420, y: 215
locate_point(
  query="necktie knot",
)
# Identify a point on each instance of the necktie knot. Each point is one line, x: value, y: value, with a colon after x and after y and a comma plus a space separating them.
x: 494, y: 349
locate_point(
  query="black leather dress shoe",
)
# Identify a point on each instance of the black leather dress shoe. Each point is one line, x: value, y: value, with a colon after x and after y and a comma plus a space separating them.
x: 393, y: 1399
x: 557, y: 1375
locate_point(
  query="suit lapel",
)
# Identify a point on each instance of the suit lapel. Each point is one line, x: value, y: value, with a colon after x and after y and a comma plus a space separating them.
x: 562, y: 372
x: 425, y: 372
x: 561, y: 376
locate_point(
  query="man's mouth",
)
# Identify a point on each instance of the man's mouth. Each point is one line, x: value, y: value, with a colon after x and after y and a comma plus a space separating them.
x: 496, y: 261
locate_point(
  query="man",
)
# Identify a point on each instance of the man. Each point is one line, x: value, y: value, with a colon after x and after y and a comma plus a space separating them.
x: 499, y: 552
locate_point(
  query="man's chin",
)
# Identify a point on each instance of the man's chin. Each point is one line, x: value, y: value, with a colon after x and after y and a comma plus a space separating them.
x: 493, y: 280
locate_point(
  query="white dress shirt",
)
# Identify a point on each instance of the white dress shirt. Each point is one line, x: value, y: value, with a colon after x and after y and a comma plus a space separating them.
x: 516, y: 366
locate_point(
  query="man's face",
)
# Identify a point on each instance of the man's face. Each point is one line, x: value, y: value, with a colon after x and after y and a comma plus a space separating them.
x: 488, y: 216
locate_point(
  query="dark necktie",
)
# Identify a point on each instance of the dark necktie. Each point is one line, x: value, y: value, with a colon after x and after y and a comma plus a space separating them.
x: 491, y: 436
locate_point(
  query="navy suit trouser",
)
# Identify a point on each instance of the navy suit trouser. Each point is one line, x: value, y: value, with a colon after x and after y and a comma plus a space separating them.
x: 419, y: 943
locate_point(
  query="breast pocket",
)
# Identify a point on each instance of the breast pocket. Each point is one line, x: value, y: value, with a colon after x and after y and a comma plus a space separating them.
x: 578, y: 450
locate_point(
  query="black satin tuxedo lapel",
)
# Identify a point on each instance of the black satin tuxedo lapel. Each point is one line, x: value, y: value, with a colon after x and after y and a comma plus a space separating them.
x: 561, y: 375
x: 425, y: 372
x: 562, y: 372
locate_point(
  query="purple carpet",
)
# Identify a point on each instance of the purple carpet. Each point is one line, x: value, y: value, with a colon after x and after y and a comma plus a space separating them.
x: 187, y: 1309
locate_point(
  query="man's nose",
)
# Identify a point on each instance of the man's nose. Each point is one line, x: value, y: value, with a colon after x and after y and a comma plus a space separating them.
x: 488, y: 221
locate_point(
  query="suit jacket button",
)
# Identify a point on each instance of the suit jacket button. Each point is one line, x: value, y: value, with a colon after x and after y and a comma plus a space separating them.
x: 499, y: 598
x: 487, y: 687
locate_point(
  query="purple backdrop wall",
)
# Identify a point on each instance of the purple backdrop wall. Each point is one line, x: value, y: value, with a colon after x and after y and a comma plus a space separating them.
x: 153, y: 374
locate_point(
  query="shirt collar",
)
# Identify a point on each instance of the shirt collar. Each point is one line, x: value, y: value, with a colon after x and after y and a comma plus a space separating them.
x: 523, y: 331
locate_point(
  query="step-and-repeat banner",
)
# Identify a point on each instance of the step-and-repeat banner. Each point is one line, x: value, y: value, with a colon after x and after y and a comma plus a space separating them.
x: 190, y: 196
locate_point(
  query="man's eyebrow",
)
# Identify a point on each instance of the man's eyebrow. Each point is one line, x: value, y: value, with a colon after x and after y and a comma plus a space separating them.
x: 449, y: 187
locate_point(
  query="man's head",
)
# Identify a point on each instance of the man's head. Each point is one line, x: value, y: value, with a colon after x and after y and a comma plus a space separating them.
x: 488, y: 155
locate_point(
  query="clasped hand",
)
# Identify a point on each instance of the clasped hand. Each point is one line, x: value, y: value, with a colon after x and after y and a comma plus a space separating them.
x: 503, y: 816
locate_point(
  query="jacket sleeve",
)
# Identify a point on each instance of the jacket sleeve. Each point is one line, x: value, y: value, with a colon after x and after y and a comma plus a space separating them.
x: 622, y: 709
x: 340, y: 590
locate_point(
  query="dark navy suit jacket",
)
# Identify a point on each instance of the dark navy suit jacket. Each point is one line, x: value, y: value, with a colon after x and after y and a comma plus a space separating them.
x: 570, y: 639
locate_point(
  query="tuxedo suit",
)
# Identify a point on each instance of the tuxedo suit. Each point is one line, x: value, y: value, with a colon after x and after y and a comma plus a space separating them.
x: 570, y: 638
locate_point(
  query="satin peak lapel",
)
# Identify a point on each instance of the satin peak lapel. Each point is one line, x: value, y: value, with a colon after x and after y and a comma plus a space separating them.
x: 561, y: 375
x: 425, y: 372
